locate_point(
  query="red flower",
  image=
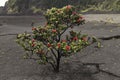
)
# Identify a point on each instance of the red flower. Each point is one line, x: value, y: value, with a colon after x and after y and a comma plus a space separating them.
x: 33, y: 45
x: 81, y: 17
x: 54, y: 30
x: 63, y: 40
x: 33, y: 40
x: 75, y: 38
x: 79, y: 20
x: 58, y: 45
x: 84, y: 38
x: 68, y: 7
x: 74, y: 13
x: 67, y: 47
x: 40, y: 52
x: 34, y: 28
x: 49, y: 45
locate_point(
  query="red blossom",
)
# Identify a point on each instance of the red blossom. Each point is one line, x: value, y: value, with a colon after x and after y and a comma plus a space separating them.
x: 79, y: 20
x: 33, y: 28
x: 81, y: 17
x: 49, y: 45
x: 74, y: 13
x: 84, y: 38
x: 33, y: 40
x: 67, y: 47
x: 68, y: 7
x: 63, y: 40
x: 75, y: 38
x: 40, y: 52
x: 58, y: 45
x: 33, y: 45
x: 54, y: 30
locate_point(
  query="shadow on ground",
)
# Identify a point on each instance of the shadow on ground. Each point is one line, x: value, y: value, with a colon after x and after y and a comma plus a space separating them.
x: 70, y: 71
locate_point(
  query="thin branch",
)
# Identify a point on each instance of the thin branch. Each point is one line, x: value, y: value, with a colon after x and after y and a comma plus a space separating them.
x: 54, y: 53
x: 46, y: 52
x: 53, y: 65
x: 64, y: 31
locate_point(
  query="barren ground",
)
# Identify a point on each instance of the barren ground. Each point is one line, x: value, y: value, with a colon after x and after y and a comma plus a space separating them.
x: 14, y: 67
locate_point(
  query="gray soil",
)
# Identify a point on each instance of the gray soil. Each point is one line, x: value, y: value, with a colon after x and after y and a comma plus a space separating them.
x: 14, y: 67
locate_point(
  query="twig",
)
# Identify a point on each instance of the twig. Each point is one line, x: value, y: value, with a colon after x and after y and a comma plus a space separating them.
x: 54, y: 53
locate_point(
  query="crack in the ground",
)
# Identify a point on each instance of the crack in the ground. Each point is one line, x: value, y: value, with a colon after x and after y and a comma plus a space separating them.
x: 101, y: 38
x: 97, y: 65
x: 8, y: 34
x: 12, y: 34
x: 98, y: 69
x: 110, y: 37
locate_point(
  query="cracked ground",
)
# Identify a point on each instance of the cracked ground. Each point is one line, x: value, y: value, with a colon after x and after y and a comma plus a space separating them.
x: 14, y: 67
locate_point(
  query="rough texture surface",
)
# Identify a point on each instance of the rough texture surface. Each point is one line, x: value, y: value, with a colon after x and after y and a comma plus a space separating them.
x: 14, y: 67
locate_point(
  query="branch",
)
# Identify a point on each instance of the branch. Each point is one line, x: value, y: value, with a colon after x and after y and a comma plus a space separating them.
x: 64, y: 30
x: 54, y: 53
x: 53, y: 66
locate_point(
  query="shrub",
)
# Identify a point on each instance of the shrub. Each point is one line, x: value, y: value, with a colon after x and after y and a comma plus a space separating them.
x: 48, y: 44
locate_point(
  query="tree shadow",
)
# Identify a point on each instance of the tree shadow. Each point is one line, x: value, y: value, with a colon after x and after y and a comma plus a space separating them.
x: 68, y: 71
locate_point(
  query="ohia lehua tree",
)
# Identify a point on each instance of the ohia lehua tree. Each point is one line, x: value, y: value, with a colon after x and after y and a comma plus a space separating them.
x: 48, y: 43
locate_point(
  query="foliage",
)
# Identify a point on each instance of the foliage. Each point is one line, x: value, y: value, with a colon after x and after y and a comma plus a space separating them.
x: 48, y: 44
x: 105, y: 6
x: 35, y: 6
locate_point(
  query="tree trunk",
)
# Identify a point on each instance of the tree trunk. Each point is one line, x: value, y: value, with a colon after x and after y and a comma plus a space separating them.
x: 58, y: 65
x: 58, y: 62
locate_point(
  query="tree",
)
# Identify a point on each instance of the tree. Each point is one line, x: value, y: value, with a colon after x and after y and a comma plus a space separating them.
x: 49, y: 43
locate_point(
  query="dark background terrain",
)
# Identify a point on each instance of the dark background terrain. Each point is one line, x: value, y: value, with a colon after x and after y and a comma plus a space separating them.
x: 30, y: 7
